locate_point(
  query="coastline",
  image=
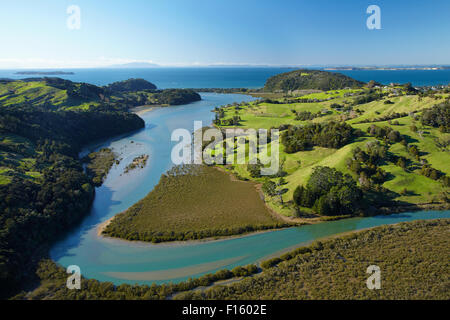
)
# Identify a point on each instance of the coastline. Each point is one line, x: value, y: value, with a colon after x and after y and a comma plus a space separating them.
x: 101, y: 227
x: 141, y: 110
x: 279, y: 254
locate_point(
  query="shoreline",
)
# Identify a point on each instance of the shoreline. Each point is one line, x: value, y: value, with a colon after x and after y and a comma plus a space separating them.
x: 293, y: 221
x: 141, y: 110
x: 278, y: 254
x: 101, y: 227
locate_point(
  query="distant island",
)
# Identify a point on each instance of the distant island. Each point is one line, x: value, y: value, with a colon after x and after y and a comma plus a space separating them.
x: 44, y: 73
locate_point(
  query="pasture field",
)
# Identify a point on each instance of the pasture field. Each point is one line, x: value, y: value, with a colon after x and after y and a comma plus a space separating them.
x: 38, y: 93
x: 432, y: 143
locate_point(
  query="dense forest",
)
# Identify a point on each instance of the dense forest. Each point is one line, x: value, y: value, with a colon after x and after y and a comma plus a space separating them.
x: 47, y: 192
x: 45, y: 121
x: 71, y: 128
x: 309, y: 79
x: 177, y: 96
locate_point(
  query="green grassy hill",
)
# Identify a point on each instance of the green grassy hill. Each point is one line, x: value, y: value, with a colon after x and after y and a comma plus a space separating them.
x: 392, y: 108
x: 51, y: 94
x: 60, y: 94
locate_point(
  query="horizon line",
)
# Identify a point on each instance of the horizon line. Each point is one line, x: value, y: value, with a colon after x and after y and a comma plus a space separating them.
x: 231, y: 65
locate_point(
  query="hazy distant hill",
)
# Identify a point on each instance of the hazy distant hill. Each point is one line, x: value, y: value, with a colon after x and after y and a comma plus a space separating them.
x: 135, y: 65
x: 44, y: 73
x: 310, y: 79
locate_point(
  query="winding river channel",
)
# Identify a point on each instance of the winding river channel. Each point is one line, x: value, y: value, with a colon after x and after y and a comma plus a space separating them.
x: 120, y: 261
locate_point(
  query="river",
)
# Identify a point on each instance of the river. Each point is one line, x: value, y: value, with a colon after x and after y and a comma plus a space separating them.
x: 120, y: 261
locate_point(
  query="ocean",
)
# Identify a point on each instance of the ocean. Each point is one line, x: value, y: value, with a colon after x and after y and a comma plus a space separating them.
x: 231, y: 77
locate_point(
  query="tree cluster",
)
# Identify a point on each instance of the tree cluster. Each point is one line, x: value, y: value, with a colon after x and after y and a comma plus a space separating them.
x: 438, y: 117
x: 306, y: 115
x: 365, y: 164
x: 329, y: 135
x: 385, y: 133
x: 329, y: 192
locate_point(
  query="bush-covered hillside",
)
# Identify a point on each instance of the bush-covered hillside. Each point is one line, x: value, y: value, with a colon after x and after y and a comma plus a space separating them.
x: 177, y: 96
x: 309, y: 79
x: 43, y: 188
x: 130, y: 85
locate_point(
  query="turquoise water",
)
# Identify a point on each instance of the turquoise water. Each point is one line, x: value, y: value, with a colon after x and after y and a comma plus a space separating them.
x: 233, y: 77
x: 125, y: 262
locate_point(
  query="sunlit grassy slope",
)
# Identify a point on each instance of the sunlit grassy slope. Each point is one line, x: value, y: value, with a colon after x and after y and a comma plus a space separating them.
x: 40, y: 94
x: 299, y: 165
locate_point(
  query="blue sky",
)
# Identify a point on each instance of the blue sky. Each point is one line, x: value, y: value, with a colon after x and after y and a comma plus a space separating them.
x: 202, y: 32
